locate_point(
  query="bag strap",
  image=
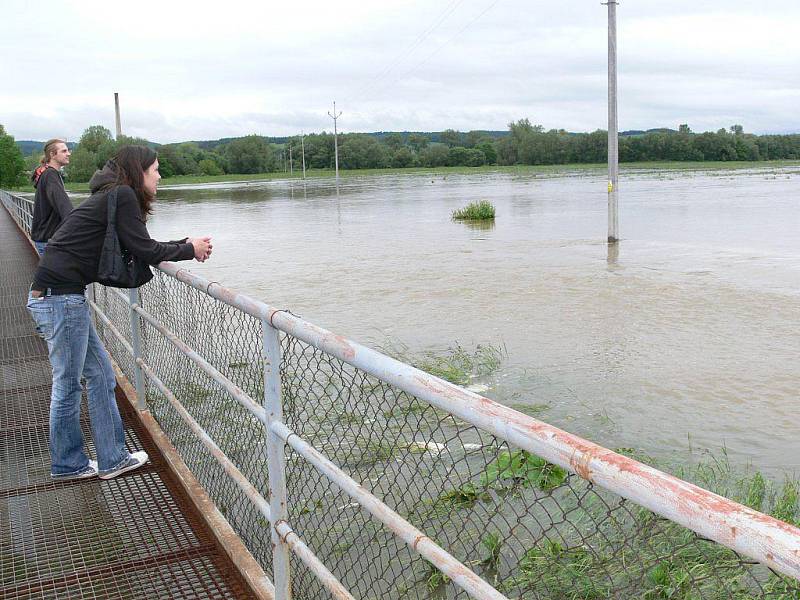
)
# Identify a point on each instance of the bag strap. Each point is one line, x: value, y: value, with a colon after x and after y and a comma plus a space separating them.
x: 112, y: 207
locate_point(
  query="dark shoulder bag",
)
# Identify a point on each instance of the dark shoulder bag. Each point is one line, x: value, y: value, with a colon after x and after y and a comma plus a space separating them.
x: 118, y: 267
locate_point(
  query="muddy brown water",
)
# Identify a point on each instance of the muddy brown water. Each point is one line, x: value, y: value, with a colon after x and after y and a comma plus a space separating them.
x: 682, y: 339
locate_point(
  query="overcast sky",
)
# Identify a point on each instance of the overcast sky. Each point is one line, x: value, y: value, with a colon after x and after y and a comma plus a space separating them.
x: 204, y: 70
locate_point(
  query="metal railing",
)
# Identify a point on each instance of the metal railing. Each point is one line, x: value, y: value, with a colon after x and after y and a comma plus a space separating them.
x: 349, y: 473
x: 21, y: 209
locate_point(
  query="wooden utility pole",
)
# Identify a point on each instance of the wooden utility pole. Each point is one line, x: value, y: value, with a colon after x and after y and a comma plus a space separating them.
x: 334, y: 116
x: 116, y: 110
x: 613, y: 135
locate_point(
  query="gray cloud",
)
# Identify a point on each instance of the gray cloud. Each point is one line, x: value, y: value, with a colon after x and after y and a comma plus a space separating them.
x: 201, y: 70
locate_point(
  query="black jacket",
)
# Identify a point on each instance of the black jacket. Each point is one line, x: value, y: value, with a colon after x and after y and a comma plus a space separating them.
x: 50, y: 206
x: 73, y: 254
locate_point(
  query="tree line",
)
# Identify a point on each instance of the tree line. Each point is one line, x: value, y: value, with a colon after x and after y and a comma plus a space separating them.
x: 523, y: 144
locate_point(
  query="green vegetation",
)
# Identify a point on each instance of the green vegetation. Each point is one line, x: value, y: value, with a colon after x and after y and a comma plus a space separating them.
x: 462, y: 497
x: 459, y: 366
x: 12, y: 163
x: 549, y: 566
x: 523, y: 144
x: 475, y: 211
x: 493, y: 544
x: 456, y: 364
x: 523, y: 468
x: 593, y: 546
x: 434, y: 578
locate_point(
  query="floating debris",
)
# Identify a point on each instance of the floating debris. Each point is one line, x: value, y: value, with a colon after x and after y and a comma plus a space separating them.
x: 434, y: 447
x: 477, y: 388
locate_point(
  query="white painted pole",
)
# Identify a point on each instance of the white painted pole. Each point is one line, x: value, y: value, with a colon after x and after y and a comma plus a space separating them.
x: 303, y: 151
x: 613, y: 134
x: 116, y: 112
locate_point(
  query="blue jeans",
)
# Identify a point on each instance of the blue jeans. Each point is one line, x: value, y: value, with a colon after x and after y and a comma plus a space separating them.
x: 40, y: 246
x: 75, y: 350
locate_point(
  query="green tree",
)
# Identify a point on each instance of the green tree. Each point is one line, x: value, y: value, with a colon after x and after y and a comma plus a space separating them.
x: 403, y: 157
x: 319, y: 150
x: 93, y: 137
x: 474, y: 138
x: 109, y: 147
x: 209, y: 167
x: 435, y: 155
x: 418, y: 141
x: 489, y: 152
x: 250, y: 154
x: 82, y: 164
x: 12, y: 163
x: 457, y: 156
x: 451, y: 138
x: 393, y: 141
x: 359, y: 151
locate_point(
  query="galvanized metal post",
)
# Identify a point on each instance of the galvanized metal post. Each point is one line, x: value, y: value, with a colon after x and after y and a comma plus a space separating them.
x: 136, y: 344
x: 276, y: 460
x: 613, y: 135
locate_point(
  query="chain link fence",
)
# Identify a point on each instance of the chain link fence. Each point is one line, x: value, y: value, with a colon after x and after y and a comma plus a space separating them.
x: 528, y: 527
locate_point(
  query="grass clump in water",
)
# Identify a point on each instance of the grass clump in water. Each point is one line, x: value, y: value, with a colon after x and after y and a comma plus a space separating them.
x: 458, y: 365
x: 475, y: 211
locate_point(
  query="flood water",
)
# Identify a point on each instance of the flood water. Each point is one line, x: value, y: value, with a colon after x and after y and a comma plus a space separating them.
x: 684, y: 338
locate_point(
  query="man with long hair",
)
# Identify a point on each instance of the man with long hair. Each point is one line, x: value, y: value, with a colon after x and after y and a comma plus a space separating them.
x: 51, y: 204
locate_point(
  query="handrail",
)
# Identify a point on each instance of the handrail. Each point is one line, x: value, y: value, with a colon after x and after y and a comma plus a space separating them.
x: 768, y: 540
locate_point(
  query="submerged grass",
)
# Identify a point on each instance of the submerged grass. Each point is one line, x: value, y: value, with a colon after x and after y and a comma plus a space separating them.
x: 456, y: 364
x: 599, y: 548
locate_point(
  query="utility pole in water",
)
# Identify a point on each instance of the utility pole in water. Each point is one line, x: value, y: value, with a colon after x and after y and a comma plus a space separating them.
x: 116, y: 112
x: 334, y: 116
x: 291, y: 166
x: 613, y: 135
x: 303, y: 151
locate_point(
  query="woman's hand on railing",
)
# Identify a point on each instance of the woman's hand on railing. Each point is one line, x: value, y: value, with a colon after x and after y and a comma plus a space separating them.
x: 202, y: 248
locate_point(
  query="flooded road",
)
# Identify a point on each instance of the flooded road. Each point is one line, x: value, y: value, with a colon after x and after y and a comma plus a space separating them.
x: 685, y: 337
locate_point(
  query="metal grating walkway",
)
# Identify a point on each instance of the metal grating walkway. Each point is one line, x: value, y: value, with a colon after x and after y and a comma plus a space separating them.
x: 136, y: 536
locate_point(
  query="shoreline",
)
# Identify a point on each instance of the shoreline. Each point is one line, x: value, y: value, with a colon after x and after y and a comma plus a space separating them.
x: 316, y: 174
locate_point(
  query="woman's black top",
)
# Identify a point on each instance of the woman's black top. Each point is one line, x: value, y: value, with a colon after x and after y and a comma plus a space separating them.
x: 73, y: 253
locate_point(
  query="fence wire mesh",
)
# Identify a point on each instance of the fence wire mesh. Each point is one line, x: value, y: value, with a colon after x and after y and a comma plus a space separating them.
x: 529, y: 528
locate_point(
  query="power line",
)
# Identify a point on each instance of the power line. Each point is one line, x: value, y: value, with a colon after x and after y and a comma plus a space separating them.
x: 449, y: 9
x: 445, y: 43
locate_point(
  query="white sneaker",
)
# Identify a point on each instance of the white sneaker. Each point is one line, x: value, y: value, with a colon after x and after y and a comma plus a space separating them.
x: 86, y: 472
x: 135, y: 460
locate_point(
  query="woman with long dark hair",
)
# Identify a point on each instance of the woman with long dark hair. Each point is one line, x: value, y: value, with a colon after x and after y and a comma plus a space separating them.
x: 58, y: 306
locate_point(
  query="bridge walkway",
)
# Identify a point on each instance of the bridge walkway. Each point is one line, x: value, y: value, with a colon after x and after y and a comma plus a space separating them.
x: 136, y: 536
